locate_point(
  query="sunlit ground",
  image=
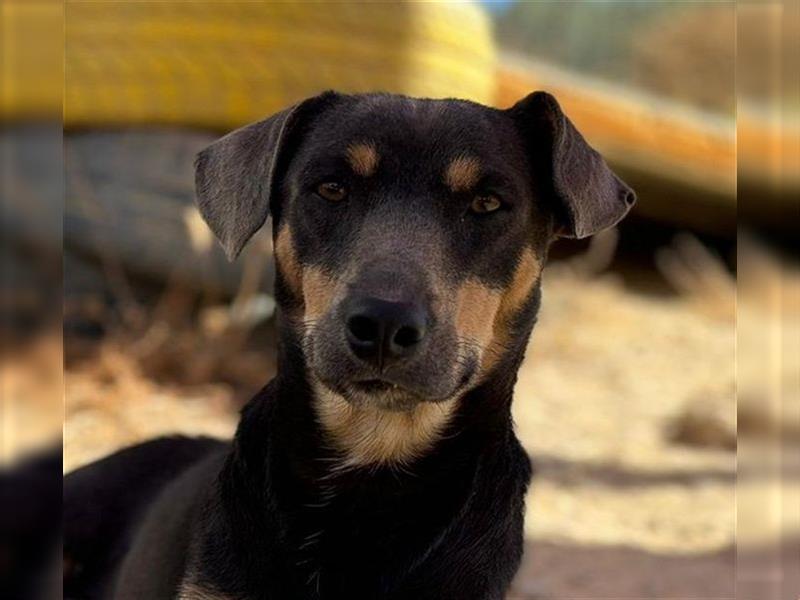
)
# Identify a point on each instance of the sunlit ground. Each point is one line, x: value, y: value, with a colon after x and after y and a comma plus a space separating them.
x: 626, y: 402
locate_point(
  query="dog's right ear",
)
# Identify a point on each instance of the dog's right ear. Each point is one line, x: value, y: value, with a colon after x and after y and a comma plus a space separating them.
x: 235, y: 177
x: 589, y: 196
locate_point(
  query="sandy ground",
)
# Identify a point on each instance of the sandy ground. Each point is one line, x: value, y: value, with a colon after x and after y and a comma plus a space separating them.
x: 607, y: 377
x: 596, y: 400
x: 626, y: 402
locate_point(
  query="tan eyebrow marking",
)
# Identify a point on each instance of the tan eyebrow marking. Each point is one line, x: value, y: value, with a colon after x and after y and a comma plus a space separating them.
x: 462, y: 173
x: 363, y: 158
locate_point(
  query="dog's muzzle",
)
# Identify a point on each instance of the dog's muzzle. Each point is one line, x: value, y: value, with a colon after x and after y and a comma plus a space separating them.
x: 384, y: 332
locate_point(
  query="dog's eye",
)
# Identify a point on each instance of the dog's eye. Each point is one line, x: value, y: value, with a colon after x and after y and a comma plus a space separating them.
x: 485, y: 203
x: 332, y: 190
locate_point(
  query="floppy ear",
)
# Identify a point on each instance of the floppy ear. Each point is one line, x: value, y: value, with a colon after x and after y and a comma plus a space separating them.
x: 589, y: 196
x: 235, y: 176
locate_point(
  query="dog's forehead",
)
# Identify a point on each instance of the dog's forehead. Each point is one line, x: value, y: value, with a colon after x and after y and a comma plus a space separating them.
x: 415, y: 127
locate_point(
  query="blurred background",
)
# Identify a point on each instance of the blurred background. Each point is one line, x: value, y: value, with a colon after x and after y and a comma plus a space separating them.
x: 627, y: 400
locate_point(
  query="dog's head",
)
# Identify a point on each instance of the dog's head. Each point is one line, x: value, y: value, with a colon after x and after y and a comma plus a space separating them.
x: 409, y: 234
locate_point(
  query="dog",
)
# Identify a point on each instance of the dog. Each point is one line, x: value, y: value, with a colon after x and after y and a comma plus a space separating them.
x: 381, y: 461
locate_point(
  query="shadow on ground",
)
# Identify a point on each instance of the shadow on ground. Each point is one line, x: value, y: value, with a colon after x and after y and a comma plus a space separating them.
x: 554, y: 571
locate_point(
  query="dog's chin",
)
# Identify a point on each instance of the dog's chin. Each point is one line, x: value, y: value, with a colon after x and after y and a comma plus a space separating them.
x: 383, y: 395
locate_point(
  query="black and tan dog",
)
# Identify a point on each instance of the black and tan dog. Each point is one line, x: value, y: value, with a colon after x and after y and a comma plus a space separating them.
x: 381, y: 461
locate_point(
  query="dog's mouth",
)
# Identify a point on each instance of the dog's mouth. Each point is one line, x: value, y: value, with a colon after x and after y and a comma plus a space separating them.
x: 398, y: 387
x: 375, y: 386
x: 381, y: 393
x: 392, y: 396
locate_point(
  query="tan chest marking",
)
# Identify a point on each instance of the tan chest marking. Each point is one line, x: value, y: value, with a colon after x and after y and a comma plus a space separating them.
x: 370, y: 435
x: 363, y: 158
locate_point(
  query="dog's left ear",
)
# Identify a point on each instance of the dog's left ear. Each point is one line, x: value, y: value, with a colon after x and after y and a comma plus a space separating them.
x: 589, y: 196
x: 235, y: 176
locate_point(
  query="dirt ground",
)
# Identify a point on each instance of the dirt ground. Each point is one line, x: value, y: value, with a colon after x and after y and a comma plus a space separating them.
x: 626, y: 402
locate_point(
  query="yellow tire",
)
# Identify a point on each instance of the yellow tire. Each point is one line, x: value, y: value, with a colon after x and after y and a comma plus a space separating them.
x: 31, y: 59
x: 221, y: 64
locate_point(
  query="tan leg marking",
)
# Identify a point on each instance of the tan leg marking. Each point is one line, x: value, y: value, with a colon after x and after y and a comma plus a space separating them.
x: 363, y: 158
x: 368, y: 435
x: 462, y: 173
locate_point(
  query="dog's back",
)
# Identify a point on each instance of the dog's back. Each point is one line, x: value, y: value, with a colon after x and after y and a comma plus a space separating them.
x: 105, y: 503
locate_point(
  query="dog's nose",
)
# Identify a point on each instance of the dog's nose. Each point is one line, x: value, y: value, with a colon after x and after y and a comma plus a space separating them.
x: 381, y: 331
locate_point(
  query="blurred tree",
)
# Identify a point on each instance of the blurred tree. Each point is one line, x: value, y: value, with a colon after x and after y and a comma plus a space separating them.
x: 689, y: 56
x: 683, y: 51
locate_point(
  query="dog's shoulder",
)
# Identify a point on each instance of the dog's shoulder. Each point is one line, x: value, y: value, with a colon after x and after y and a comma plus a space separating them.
x: 105, y: 501
x: 155, y: 564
